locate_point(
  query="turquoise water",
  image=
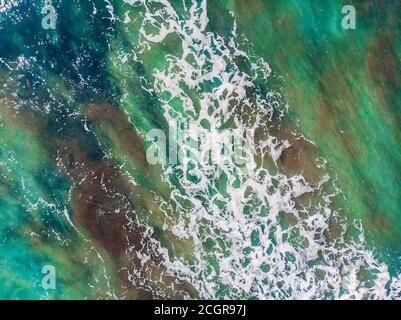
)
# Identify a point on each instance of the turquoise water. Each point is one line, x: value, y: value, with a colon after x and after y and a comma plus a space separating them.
x: 307, y: 207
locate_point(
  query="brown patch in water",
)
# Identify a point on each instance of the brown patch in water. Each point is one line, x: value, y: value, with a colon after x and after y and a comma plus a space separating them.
x: 381, y: 225
x: 106, y: 204
x: 117, y: 121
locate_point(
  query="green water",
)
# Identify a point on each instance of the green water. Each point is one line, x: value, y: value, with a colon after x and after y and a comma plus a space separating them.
x: 343, y: 93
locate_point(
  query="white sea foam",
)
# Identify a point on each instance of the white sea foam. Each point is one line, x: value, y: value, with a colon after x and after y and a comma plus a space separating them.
x: 252, y: 253
x: 8, y: 4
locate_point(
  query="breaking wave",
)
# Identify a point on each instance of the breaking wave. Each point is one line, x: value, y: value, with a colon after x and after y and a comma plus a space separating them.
x: 258, y: 230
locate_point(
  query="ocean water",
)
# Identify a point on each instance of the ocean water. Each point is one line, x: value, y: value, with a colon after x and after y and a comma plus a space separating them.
x: 276, y: 171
